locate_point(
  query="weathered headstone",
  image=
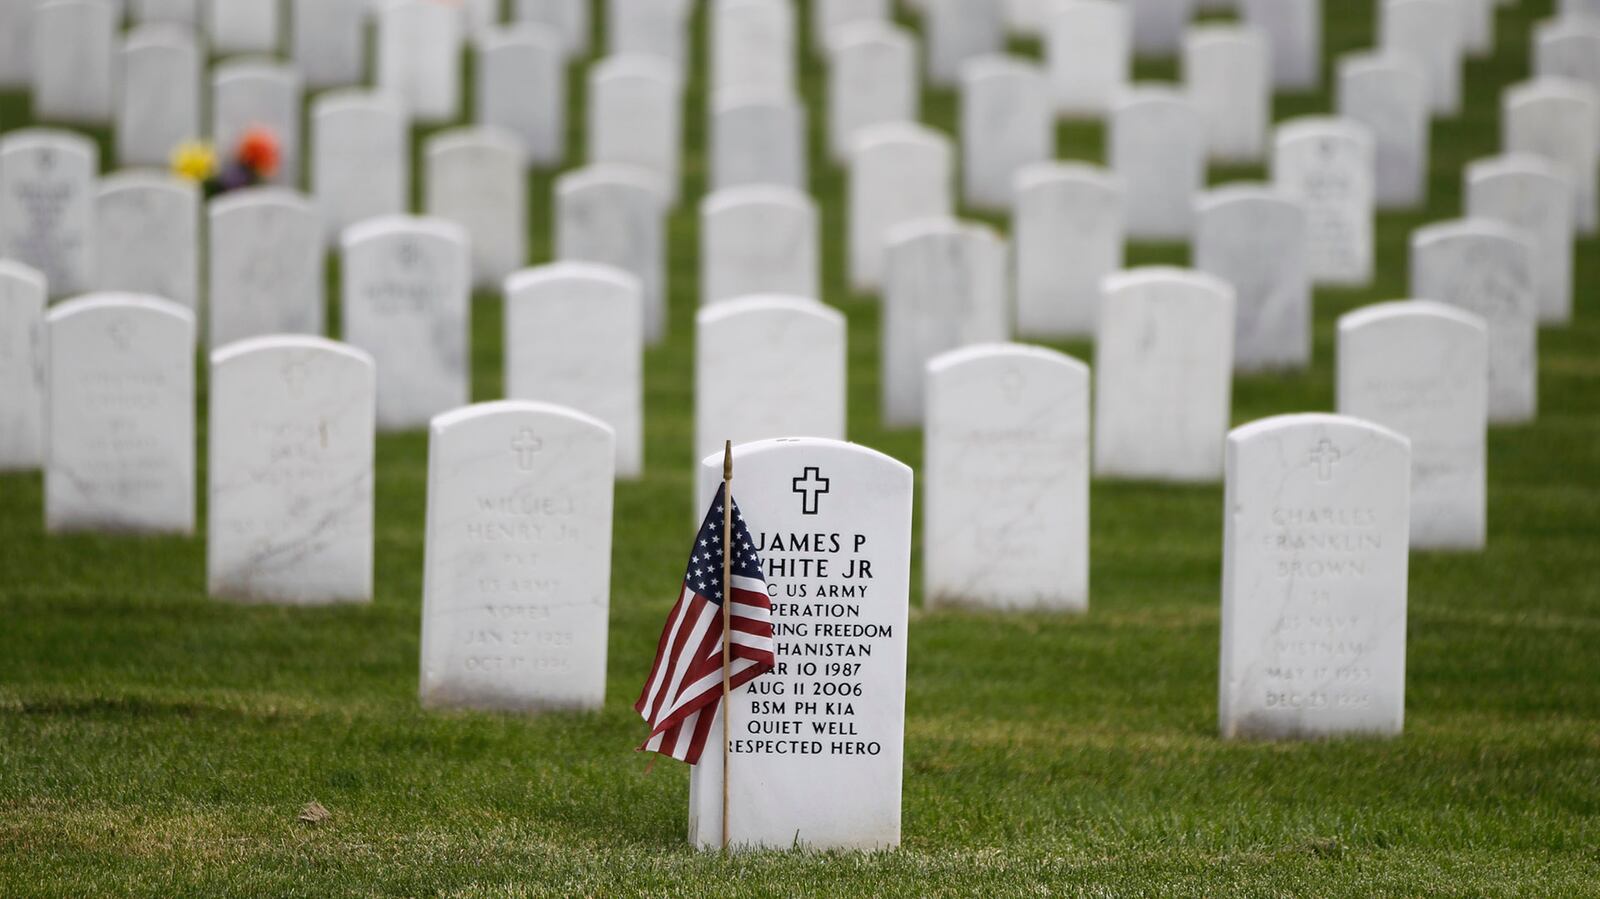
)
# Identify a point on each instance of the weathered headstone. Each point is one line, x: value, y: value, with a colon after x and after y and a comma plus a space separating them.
x: 818, y: 750
x: 616, y: 215
x: 1486, y: 268
x: 1533, y: 194
x: 1088, y: 48
x: 47, y: 188
x: 147, y: 229
x: 406, y: 297
x: 757, y: 138
x: 945, y: 289
x: 1007, y: 123
x: 251, y: 94
x: 766, y: 366
x: 158, y: 97
x: 119, y: 443
x: 872, y: 80
x: 1227, y: 77
x: 419, y: 57
x: 575, y: 337
x: 475, y: 178
x: 1559, y: 120
x: 899, y: 172
x: 1067, y: 227
x: 1006, y: 480
x: 22, y: 357
x: 360, y: 158
x: 265, y: 265
x: 517, y: 570
x: 522, y: 89
x: 635, y: 117
x: 1327, y: 165
x: 657, y: 28
x: 1314, y: 579
x: 1428, y: 32
x: 1294, y: 38
x: 329, y: 42
x: 74, y: 56
x: 959, y: 30
x: 752, y: 45
x: 1158, y: 25
x: 242, y: 26
x: 1389, y: 95
x: 757, y: 240
x: 290, y: 472
x: 1422, y: 369
x: 1163, y: 370
x: 569, y: 18
x: 1254, y: 238
x: 1157, y: 146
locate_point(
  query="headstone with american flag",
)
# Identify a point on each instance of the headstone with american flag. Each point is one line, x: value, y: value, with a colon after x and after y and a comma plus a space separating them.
x: 681, y: 696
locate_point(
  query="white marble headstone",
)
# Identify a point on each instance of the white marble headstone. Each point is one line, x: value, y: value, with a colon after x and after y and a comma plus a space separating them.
x: 158, y: 95
x: 1559, y: 120
x: 899, y: 172
x: 764, y: 367
x: 1533, y: 194
x: 522, y: 89
x: 74, y: 61
x: 752, y: 45
x: 360, y: 158
x: 635, y: 117
x: 831, y: 18
x: 1294, y: 38
x: 265, y: 265
x: 147, y: 228
x: 1486, y: 268
x: 419, y: 57
x: 956, y: 31
x: 1389, y: 95
x: 405, y: 299
x: 872, y: 79
x: 1007, y: 123
x: 178, y: 12
x: 1422, y: 369
x: 1428, y: 32
x: 1327, y: 164
x: 22, y: 357
x: 569, y: 18
x: 329, y: 41
x: 657, y: 28
x: 1006, y: 479
x: 251, y: 94
x: 574, y: 337
x: 945, y: 289
x: 758, y: 240
x: 1254, y: 238
x: 616, y: 215
x: 475, y: 178
x: 1157, y: 146
x: 819, y: 764
x: 1067, y: 227
x: 290, y: 472
x: 16, y: 43
x: 1088, y: 48
x: 119, y: 439
x: 1568, y: 48
x: 1158, y: 25
x: 242, y: 26
x: 758, y: 138
x: 47, y: 189
x: 1226, y: 73
x: 517, y: 560
x: 1314, y: 579
x: 1163, y: 369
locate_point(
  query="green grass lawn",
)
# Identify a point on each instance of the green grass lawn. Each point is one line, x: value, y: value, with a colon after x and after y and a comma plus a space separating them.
x: 153, y: 741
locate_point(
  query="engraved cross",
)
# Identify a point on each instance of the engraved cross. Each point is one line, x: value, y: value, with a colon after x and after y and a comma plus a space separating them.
x: 525, y: 445
x: 810, y: 485
x: 1324, y: 457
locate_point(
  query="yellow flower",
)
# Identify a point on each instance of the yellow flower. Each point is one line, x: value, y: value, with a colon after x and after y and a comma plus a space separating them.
x: 194, y: 160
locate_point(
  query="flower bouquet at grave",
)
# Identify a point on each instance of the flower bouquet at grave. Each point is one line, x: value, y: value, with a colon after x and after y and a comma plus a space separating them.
x: 253, y: 160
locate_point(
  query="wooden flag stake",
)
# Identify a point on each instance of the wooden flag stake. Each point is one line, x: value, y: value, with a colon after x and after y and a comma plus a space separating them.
x: 727, y: 625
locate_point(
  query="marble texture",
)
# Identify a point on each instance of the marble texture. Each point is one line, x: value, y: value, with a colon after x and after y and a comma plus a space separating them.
x: 1254, y: 238
x: 616, y: 215
x: 264, y: 266
x: 1227, y: 77
x: 1163, y: 367
x: 955, y: 31
x: 47, y: 189
x: 406, y: 300
x: 1428, y: 32
x: 517, y: 559
x: 1422, y: 369
x: 147, y: 229
x: 290, y: 472
x: 1089, y: 53
x: 1007, y: 123
x: 1006, y: 479
x: 253, y: 93
x: 872, y: 80
x: 328, y: 41
x: 1314, y: 579
x: 158, y: 95
x: 1294, y: 38
x: 842, y: 790
x: 1533, y: 194
x: 1157, y: 146
x: 1067, y: 226
x: 1559, y: 120
x: 636, y: 118
x: 119, y: 436
x: 522, y: 89
x: 1327, y: 164
x: 419, y: 58
x: 474, y: 176
x: 574, y: 337
x: 74, y: 61
x: 22, y: 357
x: 1389, y: 96
x: 899, y: 172
x: 1486, y: 268
x: 946, y: 288
x: 360, y: 158
x: 757, y: 240
x: 758, y: 138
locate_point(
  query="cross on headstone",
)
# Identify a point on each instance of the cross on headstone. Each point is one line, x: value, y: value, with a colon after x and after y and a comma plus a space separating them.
x: 294, y: 376
x: 1324, y: 457
x: 525, y: 445
x: 811, y: 485
x: 1011, y: 385
x: 121, y: 333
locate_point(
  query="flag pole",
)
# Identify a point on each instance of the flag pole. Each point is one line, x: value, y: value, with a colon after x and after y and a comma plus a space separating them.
x: 727, y: 624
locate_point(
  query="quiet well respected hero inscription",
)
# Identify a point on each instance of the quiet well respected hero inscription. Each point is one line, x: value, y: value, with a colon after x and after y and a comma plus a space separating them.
x: 817, y: 744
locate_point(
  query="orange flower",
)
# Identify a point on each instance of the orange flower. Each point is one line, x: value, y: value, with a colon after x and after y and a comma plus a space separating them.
x: 258, y: 151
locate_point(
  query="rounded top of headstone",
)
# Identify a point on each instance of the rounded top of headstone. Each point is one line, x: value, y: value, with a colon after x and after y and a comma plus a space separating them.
x: 1270, y: 428
x: 271, y: 343
x: 1382, y: 64
x: 1000, y: 66
x: 416, y: 225
x: 1225, y: 35
x: 58, y: 139
x: 1070, y: 8
x: 1469, y: 229
x: 474, y: 139
x: 613, y: 176
x: 356, y: 99
x: 728, y: 100
x: 11, y: 269
x: 868, y: 32
x: 91, y: 303
x: 249, y: 198
x: 812, y: 447
x: 565, y: 272
x: 1551, y: 89
x: 941, y: 227
x: 1041, y: 174
x: 1152, y: 94
x: 159, y: 35
x: 1378, y: 314
x: 1318, y: 128
x: 1166, y: 276
x: 899, y: 135
x: 768, y: 304
x: 1516, y: 165
x: 145, y: 180
x: 254, y: 68
x: 520, y: 35
x: 635, y: 67
x: 444, y: 421
x: 755, y: 195
x: 1568, y: 28
x: 1245, y: 194
x: 986, y: 353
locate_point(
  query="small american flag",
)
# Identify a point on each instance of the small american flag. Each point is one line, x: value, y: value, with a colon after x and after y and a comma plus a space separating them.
x: 685, y: 685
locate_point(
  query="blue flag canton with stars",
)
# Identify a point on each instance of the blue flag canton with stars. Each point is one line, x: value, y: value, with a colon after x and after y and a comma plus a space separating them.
x: 704, y: 574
